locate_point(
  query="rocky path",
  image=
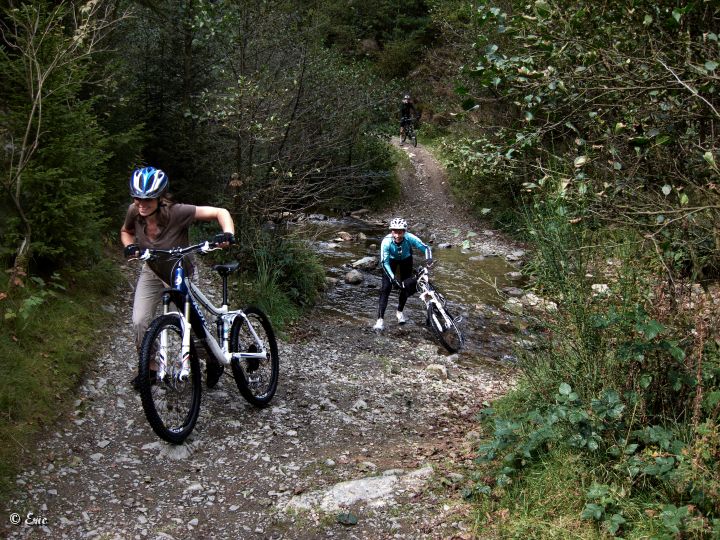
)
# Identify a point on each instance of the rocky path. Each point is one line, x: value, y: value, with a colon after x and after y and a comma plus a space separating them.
x: 367, y: 437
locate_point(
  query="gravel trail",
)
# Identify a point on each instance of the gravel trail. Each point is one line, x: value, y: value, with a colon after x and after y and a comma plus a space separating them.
x: 369, y: 436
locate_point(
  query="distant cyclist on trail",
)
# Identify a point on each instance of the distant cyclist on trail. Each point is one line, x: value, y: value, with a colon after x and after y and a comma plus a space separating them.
x: 155, y: 221
x: 408, y: 113
x: 396, y: 261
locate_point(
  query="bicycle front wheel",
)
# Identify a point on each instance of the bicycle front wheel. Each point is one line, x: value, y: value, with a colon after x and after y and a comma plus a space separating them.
x: 256, y: 378
x: 171, y: 405
x: 444, y: 328
x: 413, y: 137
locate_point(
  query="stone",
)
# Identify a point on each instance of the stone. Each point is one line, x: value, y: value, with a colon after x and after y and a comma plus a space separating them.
x: 366, y: 263
x: 353, y: 277
x: 438, y: 370
x: 514, y: 306
x: 513, y: 291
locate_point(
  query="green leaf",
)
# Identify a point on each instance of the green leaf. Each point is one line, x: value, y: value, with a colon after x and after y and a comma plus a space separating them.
x: 593, y: 511
x: 684, y: 199
x: 630, y: 449
x: 651, y: 329
x: 565, y: 389
x: 466, y: 244
x: 614, y: 523
x: 711, y: 65
x: 708, y: 156
x: 580, y: 161
x: 676, y: 14
x: 666, y: 189
x: 647, y: 20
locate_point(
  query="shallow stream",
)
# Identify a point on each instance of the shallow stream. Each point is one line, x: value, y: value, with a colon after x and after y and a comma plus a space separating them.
x: 469, y: 280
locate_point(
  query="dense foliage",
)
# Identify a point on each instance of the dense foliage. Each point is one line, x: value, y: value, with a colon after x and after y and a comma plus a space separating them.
x: 600, y: 122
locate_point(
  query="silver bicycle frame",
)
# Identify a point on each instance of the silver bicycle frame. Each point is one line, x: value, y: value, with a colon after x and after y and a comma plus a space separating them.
x: 221, y: 353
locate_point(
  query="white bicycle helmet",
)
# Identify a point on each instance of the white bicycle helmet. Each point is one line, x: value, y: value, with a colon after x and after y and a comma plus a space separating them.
x: 398, y: 223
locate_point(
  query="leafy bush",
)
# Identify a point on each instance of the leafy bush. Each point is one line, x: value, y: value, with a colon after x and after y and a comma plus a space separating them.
x: 286, y: 273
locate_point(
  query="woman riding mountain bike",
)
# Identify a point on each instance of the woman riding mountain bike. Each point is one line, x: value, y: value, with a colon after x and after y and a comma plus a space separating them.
x: 155, y: 221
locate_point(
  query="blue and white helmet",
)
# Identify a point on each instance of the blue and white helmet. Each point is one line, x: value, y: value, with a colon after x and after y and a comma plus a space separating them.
x: 148, y: 183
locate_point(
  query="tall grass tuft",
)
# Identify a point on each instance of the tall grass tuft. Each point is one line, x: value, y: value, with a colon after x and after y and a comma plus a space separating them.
x: 286, y: 275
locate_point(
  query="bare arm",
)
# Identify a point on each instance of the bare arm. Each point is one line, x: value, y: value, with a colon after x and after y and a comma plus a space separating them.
x: 212, y: 213
x: 126, y: 237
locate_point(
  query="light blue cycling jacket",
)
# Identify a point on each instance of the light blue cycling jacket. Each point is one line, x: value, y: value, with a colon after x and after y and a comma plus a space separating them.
x: 390, y: 251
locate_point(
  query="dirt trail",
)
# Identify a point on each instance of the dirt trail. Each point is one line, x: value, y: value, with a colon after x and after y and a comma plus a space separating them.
x: 364, y: 427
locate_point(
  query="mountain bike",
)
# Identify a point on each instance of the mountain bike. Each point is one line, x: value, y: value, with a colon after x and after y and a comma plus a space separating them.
x: 407, y: 129
x: 169, y: 370
x: 442, y: 323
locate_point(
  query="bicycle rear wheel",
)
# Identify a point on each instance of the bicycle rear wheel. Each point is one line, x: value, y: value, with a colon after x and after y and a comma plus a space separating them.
x: 444, y: 328
x: 256, y: 379
x: 171, y: 406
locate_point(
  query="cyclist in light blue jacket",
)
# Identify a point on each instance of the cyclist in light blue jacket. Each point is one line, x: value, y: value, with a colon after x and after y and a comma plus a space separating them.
x: 396, y: 262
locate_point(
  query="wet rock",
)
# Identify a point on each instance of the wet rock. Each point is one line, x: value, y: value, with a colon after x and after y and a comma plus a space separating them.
x: 366, y: 263
x: 444, y: 245
x: 353, y: 277
x: 317, y: 217
x: 361, y: 236
x: 330, y: 282
x: 513, y: 291
x: 514, y: 276
x: 359, y: 213
x: 344, y: 236
x: 515, y: 255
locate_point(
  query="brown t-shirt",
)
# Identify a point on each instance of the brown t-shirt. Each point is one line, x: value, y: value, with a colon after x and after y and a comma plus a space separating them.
x: 173, y: 234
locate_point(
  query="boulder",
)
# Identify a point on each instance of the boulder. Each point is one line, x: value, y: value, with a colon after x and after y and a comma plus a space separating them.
x: 366, y: 263
x: 353, y: 277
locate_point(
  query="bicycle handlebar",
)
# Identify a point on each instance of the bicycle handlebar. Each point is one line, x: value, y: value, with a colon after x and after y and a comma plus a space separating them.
x: 178, y: 252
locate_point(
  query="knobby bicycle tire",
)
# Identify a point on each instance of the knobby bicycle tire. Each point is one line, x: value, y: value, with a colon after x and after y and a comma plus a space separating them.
x: 413, y: 137
x: 257, y: 380
x: 446, y: 332
x: 171, y: 406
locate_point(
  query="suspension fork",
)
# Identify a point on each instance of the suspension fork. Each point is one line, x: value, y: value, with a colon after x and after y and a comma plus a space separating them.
x: 185, y: 350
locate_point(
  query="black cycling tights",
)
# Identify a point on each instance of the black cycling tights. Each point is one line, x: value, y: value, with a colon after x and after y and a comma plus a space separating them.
x: 403, y: 271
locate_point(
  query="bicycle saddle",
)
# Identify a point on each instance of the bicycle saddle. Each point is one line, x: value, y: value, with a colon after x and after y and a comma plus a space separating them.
x: 226, y: 269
